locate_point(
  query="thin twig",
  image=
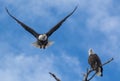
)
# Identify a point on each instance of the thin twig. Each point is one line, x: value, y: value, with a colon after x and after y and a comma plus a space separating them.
x: 107, y: 61
x: 54, y: 76
x: 92, y: 76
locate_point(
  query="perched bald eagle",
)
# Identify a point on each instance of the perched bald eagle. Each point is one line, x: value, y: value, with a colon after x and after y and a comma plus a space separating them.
x: 42, y: 39
x: 95, y: 63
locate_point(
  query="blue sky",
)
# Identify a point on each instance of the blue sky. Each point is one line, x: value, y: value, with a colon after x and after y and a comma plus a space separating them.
x: 95, y: 24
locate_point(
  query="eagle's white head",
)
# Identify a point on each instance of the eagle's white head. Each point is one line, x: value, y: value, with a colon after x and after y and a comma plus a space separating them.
x: 90, y: 51
x: 42, y: 37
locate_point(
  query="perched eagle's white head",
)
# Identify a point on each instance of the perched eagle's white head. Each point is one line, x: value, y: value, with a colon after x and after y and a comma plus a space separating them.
x: 90, y: 51
x: 42, y: 37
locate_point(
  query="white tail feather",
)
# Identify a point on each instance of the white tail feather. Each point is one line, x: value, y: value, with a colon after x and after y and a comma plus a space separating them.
x: 99, y: 72
x: 38, y: 46
x: 49, y: 43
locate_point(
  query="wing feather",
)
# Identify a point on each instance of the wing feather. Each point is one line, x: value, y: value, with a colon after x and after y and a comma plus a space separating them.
x: 60, y: 23
x: 30, y: 30
x: 93, y: 59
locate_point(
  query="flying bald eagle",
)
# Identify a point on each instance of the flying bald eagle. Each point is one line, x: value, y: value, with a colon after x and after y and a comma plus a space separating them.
x: 42, y: 39
x: 95, y: 63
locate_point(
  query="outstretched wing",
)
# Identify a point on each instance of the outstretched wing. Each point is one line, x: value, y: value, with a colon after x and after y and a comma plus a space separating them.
x: 59, y: 24
x: 30, y: 30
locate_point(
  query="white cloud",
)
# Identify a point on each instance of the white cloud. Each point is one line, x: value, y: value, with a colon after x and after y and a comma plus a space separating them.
x: 25, y: 68
x: 110, y: 24
x: 68, y: 67
x: 36, y: 67
x: 72, y: 62
x: 101, y: 18
x: 103, y: 21
x: 40, y: 8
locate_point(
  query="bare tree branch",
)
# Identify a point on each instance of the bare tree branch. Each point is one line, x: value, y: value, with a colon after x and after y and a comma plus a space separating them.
x: 54, y: 76
x: 91, y: 70
x: 92, y: 76
x: 108, y: 61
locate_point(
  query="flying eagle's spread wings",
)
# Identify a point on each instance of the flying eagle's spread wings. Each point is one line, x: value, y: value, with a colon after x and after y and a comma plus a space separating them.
x: 23, y: 25
x: 59, y: 24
